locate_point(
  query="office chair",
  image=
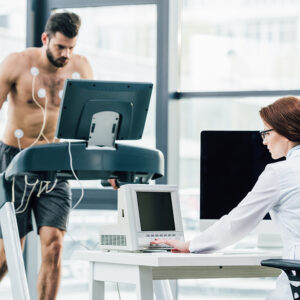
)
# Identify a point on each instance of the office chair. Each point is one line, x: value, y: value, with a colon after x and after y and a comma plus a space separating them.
x: 291, y: 268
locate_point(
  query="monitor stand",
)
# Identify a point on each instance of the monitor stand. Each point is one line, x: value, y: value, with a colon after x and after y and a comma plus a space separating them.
x: 104, y: 128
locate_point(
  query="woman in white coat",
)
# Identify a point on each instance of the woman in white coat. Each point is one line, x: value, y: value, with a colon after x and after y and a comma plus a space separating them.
x: 276, y: 191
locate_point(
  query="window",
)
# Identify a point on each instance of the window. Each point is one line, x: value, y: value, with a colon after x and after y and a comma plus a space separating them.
x: 240, y: 45
x: 232, y: 54
x: 12, y: 36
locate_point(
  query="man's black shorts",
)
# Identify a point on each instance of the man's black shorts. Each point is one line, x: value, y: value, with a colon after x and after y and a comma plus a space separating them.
x: 50, y: 209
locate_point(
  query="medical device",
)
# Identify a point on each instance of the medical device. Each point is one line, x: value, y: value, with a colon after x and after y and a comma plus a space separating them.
x: 145, y: 212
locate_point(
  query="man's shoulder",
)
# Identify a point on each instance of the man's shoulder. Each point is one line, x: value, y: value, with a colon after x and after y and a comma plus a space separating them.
x: 20, y: 59
x: 80, y: 60
x: 82, y: 65
x: 12, y: 66
x: 16, y: 63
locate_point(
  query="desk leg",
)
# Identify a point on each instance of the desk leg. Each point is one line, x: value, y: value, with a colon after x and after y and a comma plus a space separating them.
x: 162, y: 290
x: 144, y: 284
x: 96, y: 288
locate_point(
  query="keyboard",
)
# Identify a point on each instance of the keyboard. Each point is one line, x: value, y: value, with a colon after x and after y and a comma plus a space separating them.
x: 158, y: 247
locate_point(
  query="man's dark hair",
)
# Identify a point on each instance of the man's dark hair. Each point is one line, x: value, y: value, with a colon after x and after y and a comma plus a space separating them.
x: 66, y: 23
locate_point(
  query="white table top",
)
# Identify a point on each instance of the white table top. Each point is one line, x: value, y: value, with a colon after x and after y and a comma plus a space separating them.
x: 247, y: 257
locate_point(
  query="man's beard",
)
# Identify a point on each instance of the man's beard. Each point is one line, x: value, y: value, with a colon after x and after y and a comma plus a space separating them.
x: 55, y: 62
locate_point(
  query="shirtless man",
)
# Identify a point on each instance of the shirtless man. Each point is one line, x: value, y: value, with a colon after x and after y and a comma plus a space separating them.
x: 45, y: 70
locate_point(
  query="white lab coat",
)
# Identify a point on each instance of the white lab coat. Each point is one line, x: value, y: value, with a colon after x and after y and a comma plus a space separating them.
x: 276, y: 191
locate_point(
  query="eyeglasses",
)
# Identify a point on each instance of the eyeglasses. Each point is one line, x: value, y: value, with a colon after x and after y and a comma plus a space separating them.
x: 264, y: 133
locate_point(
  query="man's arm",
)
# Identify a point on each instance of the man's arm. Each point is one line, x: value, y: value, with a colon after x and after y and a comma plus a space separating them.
x: 7, y: 75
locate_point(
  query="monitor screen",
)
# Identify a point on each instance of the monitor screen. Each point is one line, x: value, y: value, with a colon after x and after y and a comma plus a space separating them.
x: 231, y: 162
x: 123, y: 105
x: 155, y: 211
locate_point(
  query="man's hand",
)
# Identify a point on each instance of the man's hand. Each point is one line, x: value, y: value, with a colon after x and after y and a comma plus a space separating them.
x: 178, y: 246
x: 113, y: 183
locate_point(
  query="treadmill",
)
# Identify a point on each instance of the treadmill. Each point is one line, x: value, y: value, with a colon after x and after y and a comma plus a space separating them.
x: 97, y: 116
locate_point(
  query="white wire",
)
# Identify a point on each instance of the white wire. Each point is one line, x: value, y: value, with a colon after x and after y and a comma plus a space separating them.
x: 42, y: 188
x: 41, y: 133
x: 25, y: 189
x: 28, y: 199
x: 118, y: 289
x: 81, y: 196
x: 13, y: 198
x: 45, y: 138
x: 19, y: 144
x: 53, y: 186
x: 81, y: 244
x: 45, y: 188
x: 23, y: 197
x: 74, y: 174
x: 44, y: 112
x: 29, y: 183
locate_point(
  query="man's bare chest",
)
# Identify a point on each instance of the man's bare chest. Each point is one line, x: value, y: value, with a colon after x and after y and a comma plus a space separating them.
x: 41, y: 88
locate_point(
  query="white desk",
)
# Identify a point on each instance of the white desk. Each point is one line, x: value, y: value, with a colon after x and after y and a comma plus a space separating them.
x: 142, y: 268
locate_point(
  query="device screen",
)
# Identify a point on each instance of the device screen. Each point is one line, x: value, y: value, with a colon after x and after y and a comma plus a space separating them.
x: 231, y: 162
x: 156, y: 211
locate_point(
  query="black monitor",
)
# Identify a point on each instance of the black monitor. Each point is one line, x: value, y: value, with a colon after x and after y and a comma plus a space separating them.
x: 231, y: 162
x: 103, y: 111
x: 155, y: 211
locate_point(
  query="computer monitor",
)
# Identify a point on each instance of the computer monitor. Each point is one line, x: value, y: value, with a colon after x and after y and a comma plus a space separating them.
x: 145, y: 212
x: 101, y: 112
x: 231, y: 162
x: 155, y: 211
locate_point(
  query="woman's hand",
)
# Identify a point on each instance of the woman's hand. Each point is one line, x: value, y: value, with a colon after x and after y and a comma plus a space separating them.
x: 178, y: 246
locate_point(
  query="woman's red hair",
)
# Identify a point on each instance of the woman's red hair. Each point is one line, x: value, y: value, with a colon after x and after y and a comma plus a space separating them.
x: 284, y: 117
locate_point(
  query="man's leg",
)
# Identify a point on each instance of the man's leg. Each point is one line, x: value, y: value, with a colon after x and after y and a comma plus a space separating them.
x: 50, y: 272
x: 3, y: 265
